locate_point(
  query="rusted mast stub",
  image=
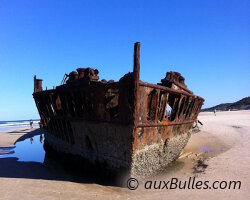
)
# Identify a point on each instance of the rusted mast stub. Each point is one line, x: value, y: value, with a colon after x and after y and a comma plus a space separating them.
x: 136, y: 74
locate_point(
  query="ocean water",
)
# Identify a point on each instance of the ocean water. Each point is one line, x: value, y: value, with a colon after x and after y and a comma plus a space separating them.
x: 15, y: 124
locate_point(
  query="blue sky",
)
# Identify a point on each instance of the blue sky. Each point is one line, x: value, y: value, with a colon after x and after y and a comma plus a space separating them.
x: 207, y: 41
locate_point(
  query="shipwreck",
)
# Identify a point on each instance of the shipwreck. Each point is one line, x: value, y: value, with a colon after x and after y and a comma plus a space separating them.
x: 126, y: 125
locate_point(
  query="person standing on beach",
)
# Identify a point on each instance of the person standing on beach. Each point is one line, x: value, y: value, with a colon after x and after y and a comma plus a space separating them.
x: 31, y: 124
x: 215, y: 112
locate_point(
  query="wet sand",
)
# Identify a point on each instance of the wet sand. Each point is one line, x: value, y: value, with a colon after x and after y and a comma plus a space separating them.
x: 220, y: 151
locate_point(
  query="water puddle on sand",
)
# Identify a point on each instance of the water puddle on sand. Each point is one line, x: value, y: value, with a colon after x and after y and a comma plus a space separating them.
x: 28, y: 150
x: 205, y: 149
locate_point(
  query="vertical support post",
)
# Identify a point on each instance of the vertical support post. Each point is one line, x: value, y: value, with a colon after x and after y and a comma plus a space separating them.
x: 137, y: 61
x: 35, y: 84
x: 136, y: 74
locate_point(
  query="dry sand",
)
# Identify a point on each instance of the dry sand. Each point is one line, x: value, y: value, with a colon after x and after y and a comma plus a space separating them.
x: 220, y: 151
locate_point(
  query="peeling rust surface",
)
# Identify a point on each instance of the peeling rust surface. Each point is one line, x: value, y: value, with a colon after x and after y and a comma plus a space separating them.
x: 124, y: 119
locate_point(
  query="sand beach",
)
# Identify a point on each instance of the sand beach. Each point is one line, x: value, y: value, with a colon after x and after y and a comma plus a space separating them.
x: 218, y: 152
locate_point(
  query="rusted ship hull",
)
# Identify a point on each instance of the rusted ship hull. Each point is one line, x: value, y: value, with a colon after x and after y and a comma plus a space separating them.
x: 123, y: 125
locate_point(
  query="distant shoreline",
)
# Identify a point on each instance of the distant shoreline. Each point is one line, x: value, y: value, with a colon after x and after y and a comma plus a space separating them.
x: 224, y: 110
x: 243, y: 104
